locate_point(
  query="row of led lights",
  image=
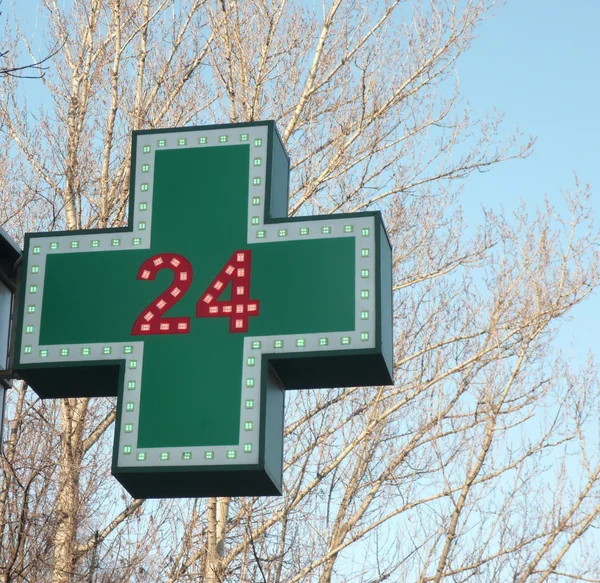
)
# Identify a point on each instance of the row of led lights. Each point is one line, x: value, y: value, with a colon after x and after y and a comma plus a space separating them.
x: 94, y: 243
x: 86, y: 351
x: 304, y: 231
x: 202, y: 140
x: 230, y: 454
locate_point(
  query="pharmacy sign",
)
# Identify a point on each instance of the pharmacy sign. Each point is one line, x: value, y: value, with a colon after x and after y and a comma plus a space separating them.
x: 204, y: 309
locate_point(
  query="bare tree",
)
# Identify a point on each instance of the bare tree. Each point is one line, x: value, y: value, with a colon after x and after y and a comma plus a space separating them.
x: 481, y: 462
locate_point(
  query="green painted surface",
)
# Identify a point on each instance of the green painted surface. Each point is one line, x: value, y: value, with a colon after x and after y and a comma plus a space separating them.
x: 191, y: 382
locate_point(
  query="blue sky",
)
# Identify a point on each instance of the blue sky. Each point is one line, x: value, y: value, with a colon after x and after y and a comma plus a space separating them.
x: 538, y: 61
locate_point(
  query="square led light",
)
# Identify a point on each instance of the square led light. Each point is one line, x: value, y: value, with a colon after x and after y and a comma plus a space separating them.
x: 133, y: 364
x: 129, y: 407
x: 323, y: 341
x: 251, y: 361
x: 278, y: 344
x: 127, y: 349
x: 31, y: 309
x: 282, y: 232
x: 248, y: 426
x: 348, y: 229
x: 365, y: 232
x: 146, y: 149
x: 247, y: 448
x: 300, y: 342
x: 249, y: 404
x: 162, y: 143
x: 345, y: 340
x: 222, y: 139
x: 364, y: 315
x: 28, y: 329
x: 364, y: 273
x: 256, y: 181
x: 145, y: 167
x: 326, y: 230
x: 106, y: 350
x: 256, y: 344
x: 85, y: 352
x: 209, y: 455
x: 257, y: 161
x: 260, y: 234
x: 249, y: 383
x: 142, y: 226
x: 144, y: 188
x: 136, y: 241
x: 126, y: 449
x: 36, y: 250
x: 364, y: 252
x: 141, y: 456
x: 186, y: 455
x: 202, y: 140
x: 258, y: 142
x: 244, y: 137
x: 131, y: 385
x: 54, y: 245
x: 181, y: 141
x: 35, y: 269
x: 27, y: 350
x: 364, y: 294
x: 64, y: 352
x: 231, y: 454
x: 33, y: 289
x: 255, y: 200
x: 74, y: 244
x: 255, y: 220
x: 364, y: 335
x: 143, y: 206
x: 95, y: 243
x: 128, y: 427
x: 304, y: 230
x: 164, y: 456
x: 116, y: 242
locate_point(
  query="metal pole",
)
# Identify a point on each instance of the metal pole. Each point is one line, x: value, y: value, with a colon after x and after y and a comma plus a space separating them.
x: 2, y: 400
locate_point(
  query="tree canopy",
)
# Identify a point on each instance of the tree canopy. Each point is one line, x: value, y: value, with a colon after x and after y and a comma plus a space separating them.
x: 480, y: 463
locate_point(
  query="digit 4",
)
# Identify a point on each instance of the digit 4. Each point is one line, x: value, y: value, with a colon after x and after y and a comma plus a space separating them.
x: 239, y: 309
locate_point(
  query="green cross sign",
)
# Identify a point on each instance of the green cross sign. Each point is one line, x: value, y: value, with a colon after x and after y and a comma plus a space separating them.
x: 201, y: 311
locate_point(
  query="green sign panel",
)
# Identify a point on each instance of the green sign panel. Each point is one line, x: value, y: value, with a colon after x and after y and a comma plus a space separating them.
x: 204, y: 309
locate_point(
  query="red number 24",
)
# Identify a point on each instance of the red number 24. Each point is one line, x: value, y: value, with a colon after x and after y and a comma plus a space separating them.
x: 238, y: 309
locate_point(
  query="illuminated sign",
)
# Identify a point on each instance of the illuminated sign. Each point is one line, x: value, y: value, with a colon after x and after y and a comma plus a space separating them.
x: 200, y: 312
